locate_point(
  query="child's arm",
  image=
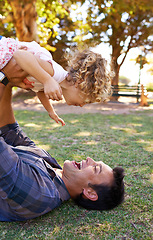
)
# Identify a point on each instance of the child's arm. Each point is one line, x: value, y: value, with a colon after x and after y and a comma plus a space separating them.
x: 28, y: 62
x: 48, y: 106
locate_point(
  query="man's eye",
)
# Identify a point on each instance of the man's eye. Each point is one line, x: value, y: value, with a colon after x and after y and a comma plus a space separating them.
x: 95, y: 168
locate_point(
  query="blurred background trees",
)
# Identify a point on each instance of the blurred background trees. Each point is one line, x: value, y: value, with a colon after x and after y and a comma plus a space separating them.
x: 58, y: 25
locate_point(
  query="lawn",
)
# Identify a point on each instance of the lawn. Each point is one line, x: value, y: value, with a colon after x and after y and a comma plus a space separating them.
x: 118, y: 140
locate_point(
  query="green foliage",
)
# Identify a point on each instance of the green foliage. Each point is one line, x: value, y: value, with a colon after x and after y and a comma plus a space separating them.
x: 124, y: 80
x: 149, y: 87
x: 124, y: 140
x: 150, y: 62
x: 49, y: 15
x: 141, y: 60
x: 54, y: 25
x: 115, y: 21
x: 6, y: 24
x: 123, y: 24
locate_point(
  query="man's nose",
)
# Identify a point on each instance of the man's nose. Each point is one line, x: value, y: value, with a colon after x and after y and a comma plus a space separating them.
x: 90, y: 161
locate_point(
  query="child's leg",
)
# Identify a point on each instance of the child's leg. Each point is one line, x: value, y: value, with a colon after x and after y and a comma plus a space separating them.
x: 6, y: 111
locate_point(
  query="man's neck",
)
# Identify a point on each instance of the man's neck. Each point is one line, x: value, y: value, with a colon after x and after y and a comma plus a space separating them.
x: 59, y: 171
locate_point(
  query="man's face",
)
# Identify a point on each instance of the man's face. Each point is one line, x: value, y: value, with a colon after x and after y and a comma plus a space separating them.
x: 77, y: 176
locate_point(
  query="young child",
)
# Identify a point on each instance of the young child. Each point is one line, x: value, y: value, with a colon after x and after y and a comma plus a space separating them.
x: 86, y: 80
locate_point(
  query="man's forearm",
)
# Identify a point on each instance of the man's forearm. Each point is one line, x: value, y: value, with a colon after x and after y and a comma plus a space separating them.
x: 6, y: 111
x: 13, y: 72
x: 3, y: 79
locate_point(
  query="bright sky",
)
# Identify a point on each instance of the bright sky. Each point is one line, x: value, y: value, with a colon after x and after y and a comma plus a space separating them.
x: 129, y: 69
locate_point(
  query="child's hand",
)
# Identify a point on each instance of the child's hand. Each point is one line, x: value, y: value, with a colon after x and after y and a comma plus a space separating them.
x: 56, y: 118
x: 53, y: 90
x: 21, y: 85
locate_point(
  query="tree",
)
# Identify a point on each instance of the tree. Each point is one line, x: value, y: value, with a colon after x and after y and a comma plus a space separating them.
x: 31, y: 20
x: 45, y: 21
x: 123, y: 24
x: 23, y: 16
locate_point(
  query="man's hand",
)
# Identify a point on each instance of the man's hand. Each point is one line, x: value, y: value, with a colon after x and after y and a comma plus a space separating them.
x: 15, y: 75
x: 13, y: 72
x: 20, y: 85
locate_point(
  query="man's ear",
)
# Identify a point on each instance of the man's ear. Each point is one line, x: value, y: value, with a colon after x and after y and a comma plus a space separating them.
x: 90, y: 194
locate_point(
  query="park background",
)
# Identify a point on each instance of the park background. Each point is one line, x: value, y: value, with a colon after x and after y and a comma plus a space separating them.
x: 123, y: 32
x: 120, y: 30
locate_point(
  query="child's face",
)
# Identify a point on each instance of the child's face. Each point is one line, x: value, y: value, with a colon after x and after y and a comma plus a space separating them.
x: 74, y: 96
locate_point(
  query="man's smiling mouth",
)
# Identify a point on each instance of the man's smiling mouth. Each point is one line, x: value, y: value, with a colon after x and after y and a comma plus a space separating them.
x: 77, y: 165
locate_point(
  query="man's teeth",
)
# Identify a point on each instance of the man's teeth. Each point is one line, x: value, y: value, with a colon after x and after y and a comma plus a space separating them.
x: 78, y: 165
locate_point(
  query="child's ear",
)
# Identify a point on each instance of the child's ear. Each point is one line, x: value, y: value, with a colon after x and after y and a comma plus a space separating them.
x: 77, y: 83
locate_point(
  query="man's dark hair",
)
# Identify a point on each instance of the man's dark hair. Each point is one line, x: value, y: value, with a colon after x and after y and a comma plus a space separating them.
x: 108, y: 196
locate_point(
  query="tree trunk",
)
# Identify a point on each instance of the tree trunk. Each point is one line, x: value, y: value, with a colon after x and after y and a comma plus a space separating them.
x: 115, y: 80
x: 24, y: 17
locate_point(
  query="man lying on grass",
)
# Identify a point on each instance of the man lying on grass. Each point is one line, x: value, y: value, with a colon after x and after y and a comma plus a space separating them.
x: 32, y: 183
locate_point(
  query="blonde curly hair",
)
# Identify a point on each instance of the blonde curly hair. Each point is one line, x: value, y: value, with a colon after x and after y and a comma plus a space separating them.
x: 90, y: 71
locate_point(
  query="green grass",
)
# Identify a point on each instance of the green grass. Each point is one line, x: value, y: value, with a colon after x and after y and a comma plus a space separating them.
x: 118, y: 140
